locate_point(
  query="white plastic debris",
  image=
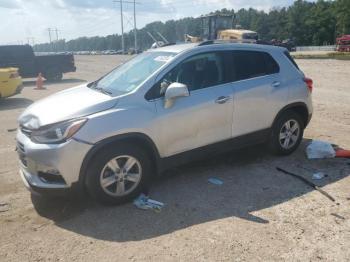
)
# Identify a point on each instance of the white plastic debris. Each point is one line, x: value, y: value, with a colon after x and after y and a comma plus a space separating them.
x: 318, y: 176
x: 215, y: 181
x: 320, y: 149
x: 145, y: 203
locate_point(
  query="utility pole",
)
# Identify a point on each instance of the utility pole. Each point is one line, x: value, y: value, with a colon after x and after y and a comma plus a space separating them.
x: 135, y: 30
x: 30, y: 41
x: 56, y: 30
x: 122, y: 20
x: 49, y: 29
x: 122, y: 24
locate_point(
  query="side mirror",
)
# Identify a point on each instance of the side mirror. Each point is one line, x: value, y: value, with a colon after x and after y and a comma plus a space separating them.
x: 174, y: 90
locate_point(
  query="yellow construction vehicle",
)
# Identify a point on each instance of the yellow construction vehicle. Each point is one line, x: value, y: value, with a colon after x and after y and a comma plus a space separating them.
x: 220, y: 27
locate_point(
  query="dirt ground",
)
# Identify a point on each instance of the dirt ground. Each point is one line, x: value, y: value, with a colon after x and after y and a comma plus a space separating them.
x: 258, y: 213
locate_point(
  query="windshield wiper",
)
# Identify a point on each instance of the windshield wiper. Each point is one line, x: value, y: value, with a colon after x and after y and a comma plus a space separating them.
x: 100, y: 89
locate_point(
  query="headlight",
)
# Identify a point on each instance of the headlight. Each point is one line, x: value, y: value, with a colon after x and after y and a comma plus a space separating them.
x: 57, y: 133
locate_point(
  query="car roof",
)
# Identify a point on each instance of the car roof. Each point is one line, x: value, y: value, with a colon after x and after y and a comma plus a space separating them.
x: 179, y: 48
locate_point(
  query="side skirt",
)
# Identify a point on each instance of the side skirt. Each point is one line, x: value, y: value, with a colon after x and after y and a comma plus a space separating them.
x: 214, y: 149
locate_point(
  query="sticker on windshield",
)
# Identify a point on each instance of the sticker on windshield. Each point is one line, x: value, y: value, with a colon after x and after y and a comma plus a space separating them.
x: 163, y: 58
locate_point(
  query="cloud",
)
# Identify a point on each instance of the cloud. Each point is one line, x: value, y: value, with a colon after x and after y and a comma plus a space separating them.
x: 9, y: 4
x: 154, y: 6
x: 88, y: 3
x: 76, y: 18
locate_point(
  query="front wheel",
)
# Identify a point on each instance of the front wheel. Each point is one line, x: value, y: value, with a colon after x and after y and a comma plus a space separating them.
x: 287, y: 134
x: 118, y: 174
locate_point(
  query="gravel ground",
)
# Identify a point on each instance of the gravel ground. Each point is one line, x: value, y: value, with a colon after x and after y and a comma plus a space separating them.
x: 258, y: 213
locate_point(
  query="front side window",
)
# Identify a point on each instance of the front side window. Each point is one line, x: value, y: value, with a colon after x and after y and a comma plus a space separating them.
x: 130, y: 75
x: 197, y: 72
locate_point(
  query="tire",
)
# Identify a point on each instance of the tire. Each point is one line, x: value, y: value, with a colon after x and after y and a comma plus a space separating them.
x: 53, y: 75
x: 99, y: 174
x: 280, y: 133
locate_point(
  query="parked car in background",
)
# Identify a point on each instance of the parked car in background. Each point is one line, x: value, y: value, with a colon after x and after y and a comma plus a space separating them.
x: 22, y: 57
x: 133, y: 51
x: 164, y: 107
x: 343, y: 43
x: 10, y: 82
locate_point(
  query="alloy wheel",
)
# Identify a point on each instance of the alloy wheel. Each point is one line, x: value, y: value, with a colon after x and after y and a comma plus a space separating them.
x: 120, y: 175
x: 289, y: 134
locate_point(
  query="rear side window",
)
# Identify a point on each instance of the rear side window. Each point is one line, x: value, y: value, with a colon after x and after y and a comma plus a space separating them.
x: 251, y: 64
x: 290, y: 58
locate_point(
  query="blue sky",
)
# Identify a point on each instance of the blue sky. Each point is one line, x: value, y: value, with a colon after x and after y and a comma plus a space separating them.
x: 21, y: 19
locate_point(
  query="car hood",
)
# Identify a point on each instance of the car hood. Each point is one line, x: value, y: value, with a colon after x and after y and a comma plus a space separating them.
x: 71, y: 103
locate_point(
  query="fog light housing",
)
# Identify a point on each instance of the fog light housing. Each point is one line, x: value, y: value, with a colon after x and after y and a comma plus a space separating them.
x: 51, y: 176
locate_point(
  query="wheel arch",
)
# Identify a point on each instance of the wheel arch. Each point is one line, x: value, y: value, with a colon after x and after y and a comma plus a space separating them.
x: 298, y: 107
x: 139, y: 139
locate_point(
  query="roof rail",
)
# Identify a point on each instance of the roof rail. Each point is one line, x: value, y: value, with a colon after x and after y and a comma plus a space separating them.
x: 228, y: 41
x: 207, y: 42
x: 168, y: 44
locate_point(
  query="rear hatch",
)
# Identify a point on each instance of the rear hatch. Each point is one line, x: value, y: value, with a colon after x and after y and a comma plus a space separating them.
x: 10, y: 82
x: 8, y: 73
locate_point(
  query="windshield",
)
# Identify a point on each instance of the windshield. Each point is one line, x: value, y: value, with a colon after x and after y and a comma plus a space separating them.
x: 130, y: 75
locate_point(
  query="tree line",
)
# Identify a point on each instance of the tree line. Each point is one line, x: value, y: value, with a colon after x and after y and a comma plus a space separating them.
x: 306, y: 23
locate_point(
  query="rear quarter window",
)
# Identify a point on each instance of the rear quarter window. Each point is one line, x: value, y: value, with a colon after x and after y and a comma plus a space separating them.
x: 251, y: 64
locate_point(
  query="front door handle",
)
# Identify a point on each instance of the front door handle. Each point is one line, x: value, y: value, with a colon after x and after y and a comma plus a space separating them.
x: 222, y: 99
x: 276, y: 84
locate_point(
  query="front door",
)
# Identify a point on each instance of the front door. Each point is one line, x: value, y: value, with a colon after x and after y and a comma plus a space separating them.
x: 202, y: 118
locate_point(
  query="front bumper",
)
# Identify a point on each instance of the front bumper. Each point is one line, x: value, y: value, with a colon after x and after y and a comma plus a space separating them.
x: 48, y: 168
x: 308, y: 120
x: 19, y: 89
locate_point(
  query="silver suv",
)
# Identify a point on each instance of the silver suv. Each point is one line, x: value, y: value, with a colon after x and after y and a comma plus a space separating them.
x: 164, y: 107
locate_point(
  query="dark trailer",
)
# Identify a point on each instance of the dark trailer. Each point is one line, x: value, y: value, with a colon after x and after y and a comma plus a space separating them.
x: 30, y: 65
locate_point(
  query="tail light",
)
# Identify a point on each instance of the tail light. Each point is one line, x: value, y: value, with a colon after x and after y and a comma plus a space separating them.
x: 14, y: 75
x: 309, y: 83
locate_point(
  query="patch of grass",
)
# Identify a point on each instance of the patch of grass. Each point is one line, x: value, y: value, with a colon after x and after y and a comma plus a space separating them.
x: 333, y: 55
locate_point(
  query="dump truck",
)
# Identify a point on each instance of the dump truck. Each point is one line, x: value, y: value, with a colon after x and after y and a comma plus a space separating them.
x: 220, y: 27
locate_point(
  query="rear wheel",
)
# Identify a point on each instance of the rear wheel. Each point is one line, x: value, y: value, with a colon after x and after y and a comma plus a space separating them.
x: 53, y: 74
x: 118, y: 174
x: 287, y: 134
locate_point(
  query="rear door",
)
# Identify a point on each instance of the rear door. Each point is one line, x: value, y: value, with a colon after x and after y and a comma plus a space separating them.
x: 258, y: 91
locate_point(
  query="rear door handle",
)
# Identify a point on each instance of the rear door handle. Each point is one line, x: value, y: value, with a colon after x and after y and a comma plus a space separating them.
x: 222, y: 99
x: 276, y: 84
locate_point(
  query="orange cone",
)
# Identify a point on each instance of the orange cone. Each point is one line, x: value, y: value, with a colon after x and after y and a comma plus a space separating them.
x: 40, y: 82
x: 342, y: 153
